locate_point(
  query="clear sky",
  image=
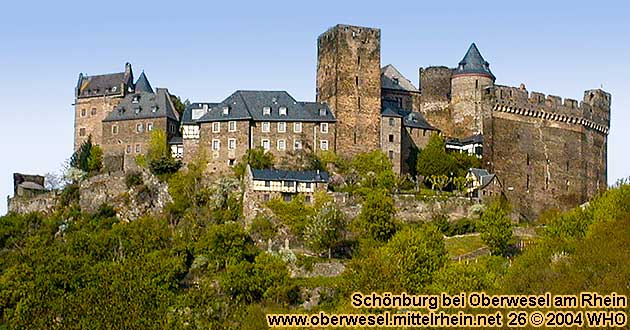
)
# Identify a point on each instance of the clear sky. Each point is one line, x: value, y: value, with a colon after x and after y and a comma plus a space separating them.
x: 205, y: 50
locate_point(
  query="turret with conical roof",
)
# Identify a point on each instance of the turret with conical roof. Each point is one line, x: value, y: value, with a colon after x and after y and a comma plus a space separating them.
x: 473, y: 64
x: 469, y: 82
x: 143, y: 85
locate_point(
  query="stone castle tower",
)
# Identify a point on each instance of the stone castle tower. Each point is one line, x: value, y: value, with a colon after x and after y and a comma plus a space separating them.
x: 95, y: 97
x: 468, y: 81
x: 348, y: 80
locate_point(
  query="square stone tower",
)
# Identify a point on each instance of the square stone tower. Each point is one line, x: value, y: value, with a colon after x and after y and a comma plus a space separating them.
x: 348, y: 80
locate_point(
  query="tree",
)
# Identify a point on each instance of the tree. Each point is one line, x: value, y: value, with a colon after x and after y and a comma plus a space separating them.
x: 256, y: 158
x: 416, y: 253
x: 95, y: 160
x: 439, y: 181
x: 179, y: 105
x: 376, y: 219
x: 495, y: 226
x: 433, y: 159
x: 375, y: 170
x: 159, y: 157
x: 326, y: 229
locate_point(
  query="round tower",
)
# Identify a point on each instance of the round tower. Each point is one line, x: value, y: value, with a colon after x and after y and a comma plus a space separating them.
x: 468, y: 82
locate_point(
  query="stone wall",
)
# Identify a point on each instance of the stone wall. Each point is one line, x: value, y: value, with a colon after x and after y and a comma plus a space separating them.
x: 44, y: 203
x: 467, y: 92
x: 391, y: 133
x: 348, y: 80
x: 88, y: 116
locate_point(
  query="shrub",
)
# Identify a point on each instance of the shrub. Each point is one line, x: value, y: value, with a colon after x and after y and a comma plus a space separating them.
x: 133, y: 179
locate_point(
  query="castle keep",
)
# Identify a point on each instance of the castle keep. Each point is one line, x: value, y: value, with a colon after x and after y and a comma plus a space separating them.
x: 544, y: 151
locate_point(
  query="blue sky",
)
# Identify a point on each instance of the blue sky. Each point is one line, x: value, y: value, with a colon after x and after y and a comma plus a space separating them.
x: 203, y: 51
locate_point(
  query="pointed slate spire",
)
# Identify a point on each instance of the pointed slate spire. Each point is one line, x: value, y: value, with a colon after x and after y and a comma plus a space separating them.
x: 143, y: 85
x: 473, y: 63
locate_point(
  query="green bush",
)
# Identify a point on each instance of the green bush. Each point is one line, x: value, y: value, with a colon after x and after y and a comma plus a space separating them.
x: 133, y: 179
x: 263, y: 227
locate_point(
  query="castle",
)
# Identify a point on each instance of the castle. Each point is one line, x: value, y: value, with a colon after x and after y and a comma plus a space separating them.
x: 547, y: 152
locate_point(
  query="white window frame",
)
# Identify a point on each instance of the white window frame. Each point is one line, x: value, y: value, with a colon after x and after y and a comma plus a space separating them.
x: 129, y: 149
x: 297, y: 144
x: 283, y: 125
x: 150, y: 127
x: 324, y: 127
x: 216, y: 144
x: 83, y: 112
x: 323, y: 144
x: 139, y: 128
x: 232, y: 126
x: 231, y: 144
x: 281, y: 144
x: 297, y: 127
x: 267, y: 142
x: 266, y: 111
x: 265, y: 127
x: 283, y: 111
x: 138, y: 148
x: 190, y: 131
x: 216, y: 127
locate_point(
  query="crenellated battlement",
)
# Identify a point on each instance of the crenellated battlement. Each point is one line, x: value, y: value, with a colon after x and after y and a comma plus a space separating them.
x: 593, y: 111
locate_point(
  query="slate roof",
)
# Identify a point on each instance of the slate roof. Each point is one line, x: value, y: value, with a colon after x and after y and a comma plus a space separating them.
x: 391, y: 78
x: 176, y: 140
x: 144, y: 105
x: 249, y: 105
x: 473, y: 139
x: 473, y: 63
x: 410, y: 118
x: 283, y: 175
x: 483, y: 176
x: 142, y: 84
x: 31, y: 185
x: 104, y: 84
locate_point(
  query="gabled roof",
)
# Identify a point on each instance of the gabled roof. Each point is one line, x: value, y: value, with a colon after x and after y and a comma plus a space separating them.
x: 391, y: 78
x: 143, y: 105
x: 478, y: 172
x: 283, y: 175
x: 104, y: 84
x: 473, y: 139
x: 143, y: 85
x: 473, y: 63
x: 251, y: 105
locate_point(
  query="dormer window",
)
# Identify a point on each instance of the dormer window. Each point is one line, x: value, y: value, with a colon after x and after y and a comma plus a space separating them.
x: 137, y: 110
x: 395, y: 81
x: 322, y: 112
x: 226, y: 111
x: 135, y: 99
x: 154, y: 108
x: 114, y: 88
x: 283, y: 111
x: 266, y: 111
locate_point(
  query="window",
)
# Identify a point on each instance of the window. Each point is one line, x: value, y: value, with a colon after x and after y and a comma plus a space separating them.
x: 265, y: 197
x: 297, y: 145
x: 232, y: 126
x: 322, y: 112
x: 154, y: 108
x: 324, y: 127
x: 391, y: 138
x: 396, y: 82
x: 190, y: 131
x: 267, y: 183
x: 527, y: 159
x: 391, y: 155
x: 150, y: 127
x: 391, y: 122
x: 128, y: 149
x: 81, y: 131
x: 307, y: 199
x: 323, y: 144
x: 356, y: 80
x: 265, y: 144
x: 308, y: 185
x: 231, y: 162
x: 286, y: 198
x: 231, y: 144
x: 282, y: 127
x: 114, y: 129
x: 83, y: 112
x: 216, y: 144
x: 282, y: 144
x: 289, y: 184
x: 138, y: 148
x: 93, y: 112
x: 139, y: 128
x: 265, y: 127
x: 226, y: 111
x: 216, y: 127
x: 297, y: 127
x: 266, y: 111
x: 283, y: 111
x: 135, y: 99
x: 527, y: 184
